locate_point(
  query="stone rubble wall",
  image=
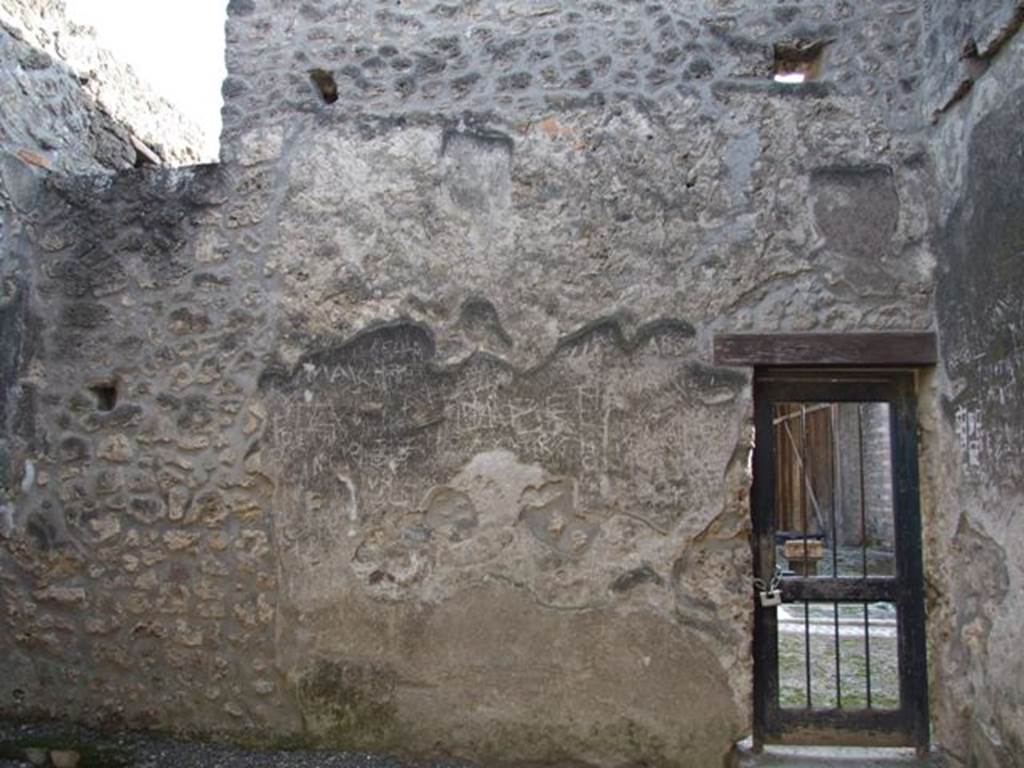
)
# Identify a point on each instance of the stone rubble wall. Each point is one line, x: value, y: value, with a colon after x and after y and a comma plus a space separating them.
x: 520, y: 59
x: 137, y: 579
x: 417, y: 436
x: 417, y: 444
x: 517, y: 255
x: 52, y: 122
x: 57, y: 68
x: 67, y: 108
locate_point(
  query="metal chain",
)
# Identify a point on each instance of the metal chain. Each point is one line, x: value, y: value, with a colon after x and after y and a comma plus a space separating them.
x: 772, y: 585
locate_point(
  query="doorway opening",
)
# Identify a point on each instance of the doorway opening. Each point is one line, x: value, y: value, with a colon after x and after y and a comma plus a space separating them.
x: 839, y: 645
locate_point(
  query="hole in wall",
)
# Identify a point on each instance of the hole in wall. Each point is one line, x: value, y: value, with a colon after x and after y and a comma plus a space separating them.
x: 325, y: 84
x: 105, y: 394
x: 791, y: 78
x: 142, y: 160
x: 144, y: 154
x: 798, y: 61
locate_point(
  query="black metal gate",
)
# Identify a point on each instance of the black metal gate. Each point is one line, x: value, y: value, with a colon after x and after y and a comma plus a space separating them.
x: 841, y: 658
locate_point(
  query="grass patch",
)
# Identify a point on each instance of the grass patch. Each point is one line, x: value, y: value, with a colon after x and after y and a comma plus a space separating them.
x: 852, y: 671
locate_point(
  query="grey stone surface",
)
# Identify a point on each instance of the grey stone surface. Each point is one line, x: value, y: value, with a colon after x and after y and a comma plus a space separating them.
x: 962, y: 41
x: 69, y: 100
x: 398, y: 430
x: 979, y: 300
x: 51, y: 121
x: 523, y: 58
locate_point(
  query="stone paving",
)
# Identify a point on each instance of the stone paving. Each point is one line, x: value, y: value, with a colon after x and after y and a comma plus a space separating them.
x: 30, y: 745
x: 25, y: 746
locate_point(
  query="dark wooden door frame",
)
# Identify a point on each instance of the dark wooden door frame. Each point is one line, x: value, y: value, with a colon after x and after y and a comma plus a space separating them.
x: 883, y: 348
x: 908, y: 725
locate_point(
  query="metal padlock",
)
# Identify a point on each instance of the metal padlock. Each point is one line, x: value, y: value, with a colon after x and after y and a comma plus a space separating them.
x: 771, y: 598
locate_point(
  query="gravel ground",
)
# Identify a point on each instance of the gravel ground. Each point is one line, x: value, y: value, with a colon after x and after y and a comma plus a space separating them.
x: 136, y: 750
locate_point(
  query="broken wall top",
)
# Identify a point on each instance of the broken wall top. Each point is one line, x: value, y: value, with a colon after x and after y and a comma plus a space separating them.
x: 53, y: 60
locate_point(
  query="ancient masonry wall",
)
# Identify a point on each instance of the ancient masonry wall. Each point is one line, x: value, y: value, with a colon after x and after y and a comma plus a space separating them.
x: 398, y: 429
x: 67, y: 108
x: 50, y: 122
x: 977, y: 537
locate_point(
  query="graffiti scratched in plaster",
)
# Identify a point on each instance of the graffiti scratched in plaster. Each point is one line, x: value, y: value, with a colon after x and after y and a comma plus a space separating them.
x: 600, y: 408
x: 372, y: 431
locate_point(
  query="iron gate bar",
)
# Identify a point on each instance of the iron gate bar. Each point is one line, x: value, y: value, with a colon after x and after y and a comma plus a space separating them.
x: 867, y: 655
x: 807, y: 650
x: 864, y: 555
x: 804, y: 532
x: 875, y: 589
x: 834, y: 443
x: 861, y: 504
x: 839, y: 686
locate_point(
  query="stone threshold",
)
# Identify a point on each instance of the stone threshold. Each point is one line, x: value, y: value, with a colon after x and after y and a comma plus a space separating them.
x: 778, y: 756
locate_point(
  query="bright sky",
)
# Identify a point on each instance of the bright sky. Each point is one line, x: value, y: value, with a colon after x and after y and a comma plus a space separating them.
x: 177, y: 46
